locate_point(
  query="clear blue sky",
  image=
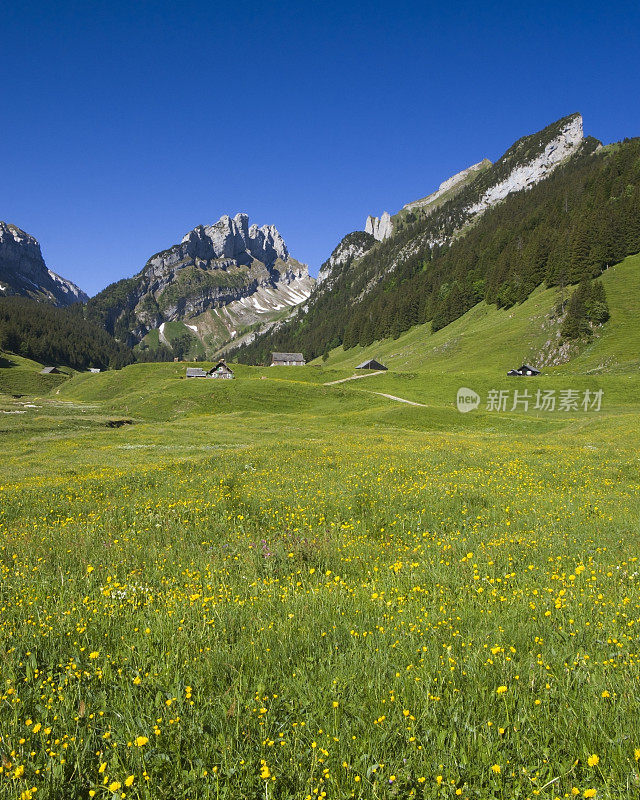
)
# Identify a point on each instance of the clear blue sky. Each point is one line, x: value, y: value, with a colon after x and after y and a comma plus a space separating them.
x: 124, y: 125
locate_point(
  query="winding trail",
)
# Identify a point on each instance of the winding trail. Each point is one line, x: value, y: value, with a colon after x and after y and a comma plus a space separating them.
x: 356, y: 378
x: 400, y: 399
x: 381, y: 394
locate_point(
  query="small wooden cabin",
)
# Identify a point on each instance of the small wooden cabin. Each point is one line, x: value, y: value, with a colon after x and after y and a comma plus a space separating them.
x: 50, y: 371
x: 221, y: 370
x: 371, y: 364
x: 196, y: 372
x: 287, y: 360
x: 525, y: 369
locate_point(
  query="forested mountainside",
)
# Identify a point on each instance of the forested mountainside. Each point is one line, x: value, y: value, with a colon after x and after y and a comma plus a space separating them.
x: 23, y: 272
x: 222, y: 278
x: 57, y: 336
x: 571, y: 222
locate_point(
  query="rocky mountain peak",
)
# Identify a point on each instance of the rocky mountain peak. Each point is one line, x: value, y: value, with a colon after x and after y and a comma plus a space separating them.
x: 23, y: 271
x: 232, y: 237
x: 222, y: 278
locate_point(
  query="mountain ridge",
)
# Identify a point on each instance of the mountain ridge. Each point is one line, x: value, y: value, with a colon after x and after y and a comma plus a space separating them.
x: 24, y: 273
x: 549, y: 210
x: 228, y: 263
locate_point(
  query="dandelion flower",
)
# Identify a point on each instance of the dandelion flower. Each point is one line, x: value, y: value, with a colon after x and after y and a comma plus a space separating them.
x: 501, y: 689
x: 496, y: 768
x: 129, y: 781
x: 94, y: 654
x: 140, y: 741
x: 593, y: 760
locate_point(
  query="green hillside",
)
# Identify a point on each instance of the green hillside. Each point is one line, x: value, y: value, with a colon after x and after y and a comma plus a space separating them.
x: 489, y: 339
x: 22, y: 376
x: 182, y: 342
x: 569, y: 227
x: 282, y: 575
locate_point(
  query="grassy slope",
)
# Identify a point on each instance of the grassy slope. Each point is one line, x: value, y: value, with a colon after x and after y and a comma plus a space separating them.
x: 268, y: 523
x: 491, y: 339
x: 250, y: 543
x: 20, y: 375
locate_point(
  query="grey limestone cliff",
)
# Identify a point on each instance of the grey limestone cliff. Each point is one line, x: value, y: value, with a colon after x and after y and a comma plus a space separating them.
x: 228, y: 265
x: 23, y: 271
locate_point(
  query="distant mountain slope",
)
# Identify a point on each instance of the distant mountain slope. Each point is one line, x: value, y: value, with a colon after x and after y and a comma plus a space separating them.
x: 554, y: 209
x: 487, y: 338
x: 57, y: 336
x: 24, y: 273
x: 238, y: 275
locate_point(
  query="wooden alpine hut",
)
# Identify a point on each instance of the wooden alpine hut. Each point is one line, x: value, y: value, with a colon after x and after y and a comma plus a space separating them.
x: 221, y: 370
x: 371, y: 364
x: 287, y: 360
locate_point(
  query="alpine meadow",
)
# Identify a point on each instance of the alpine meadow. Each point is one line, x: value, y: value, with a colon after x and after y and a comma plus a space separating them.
x: 415, y: 580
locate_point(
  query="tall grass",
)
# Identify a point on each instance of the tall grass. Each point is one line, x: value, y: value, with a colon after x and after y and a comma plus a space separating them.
x: 211, y: 609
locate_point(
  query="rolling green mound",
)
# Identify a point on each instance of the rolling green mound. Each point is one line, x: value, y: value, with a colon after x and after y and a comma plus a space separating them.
x: 22, y: 376
x: 162, y: 392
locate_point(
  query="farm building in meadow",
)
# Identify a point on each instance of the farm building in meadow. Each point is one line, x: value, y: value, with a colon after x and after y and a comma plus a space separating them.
x: 525, y: 369
x: 287, y: 360
x: 371, y: 364
x: 221, y: 370
x: 50, y: 371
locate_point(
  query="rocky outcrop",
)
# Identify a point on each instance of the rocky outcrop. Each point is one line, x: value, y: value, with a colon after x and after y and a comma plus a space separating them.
x: 23, y: 271
x: 530, y: 160
x: 380, y: 228
x: 533, y: 168
x: 455, y: 181
x: 227, y: 264
x: 352, y: 247
x: 234, y: 239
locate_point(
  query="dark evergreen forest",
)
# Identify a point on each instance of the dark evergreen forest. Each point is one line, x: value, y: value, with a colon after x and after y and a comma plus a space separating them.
x: 58, y: 336
x: 565, y: 230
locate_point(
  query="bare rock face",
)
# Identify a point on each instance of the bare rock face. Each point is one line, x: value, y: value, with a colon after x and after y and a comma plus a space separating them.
x: 527, y: 174
x: 380, y: 228
x: 23, y: 271
x: 352, y: 247
x: 451, y: 183
x: 227, y: 265
x: 233, y: 238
